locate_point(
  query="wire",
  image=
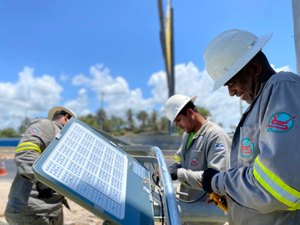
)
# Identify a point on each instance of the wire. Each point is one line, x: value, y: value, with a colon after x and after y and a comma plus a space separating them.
x: 162, y: 209
x: 192, y: 200
x: 156, y: 182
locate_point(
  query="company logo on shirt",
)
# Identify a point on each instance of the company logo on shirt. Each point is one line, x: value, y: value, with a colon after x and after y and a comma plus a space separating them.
x: 219, y: 147
x: 247, y: 148
x: 194, y: 162
x: 34, y: 131
x: 280, y: 122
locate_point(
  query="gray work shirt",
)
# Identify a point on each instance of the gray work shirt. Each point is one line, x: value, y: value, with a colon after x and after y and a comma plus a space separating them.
x: 209, y: 148
x: 23, y: 197
x: 269, y: 130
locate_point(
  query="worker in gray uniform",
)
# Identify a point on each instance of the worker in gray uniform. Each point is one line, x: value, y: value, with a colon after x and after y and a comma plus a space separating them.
x: 30, y: 201
x: 262, y: 185
x: 204, y: 145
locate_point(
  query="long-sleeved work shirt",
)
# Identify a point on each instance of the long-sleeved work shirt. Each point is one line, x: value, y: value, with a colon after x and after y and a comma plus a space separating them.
x: 263, y: 184
x: 23, y: 198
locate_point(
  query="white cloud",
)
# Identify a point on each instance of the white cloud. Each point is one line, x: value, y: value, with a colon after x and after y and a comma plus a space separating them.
x: 283, y: 68
x: 80, y: 104
x: 33, y: 95
x: 118, y: 97
x: 30, y: 96
x: 80, y: 79
x: 113, y: 92
x: 64, y: 77
x: 190, y: 81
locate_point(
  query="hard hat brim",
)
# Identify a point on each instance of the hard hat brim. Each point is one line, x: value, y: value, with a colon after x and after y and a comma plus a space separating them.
x: 261, y: 41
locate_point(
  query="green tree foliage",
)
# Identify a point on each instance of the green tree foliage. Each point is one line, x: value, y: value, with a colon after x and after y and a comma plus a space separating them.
x: 89, y: 120
x: 8, y: 133
x: 115, y: 125
x: 101, y: 117
x: 149, y: 122
x: 153, y: 123
x: 142, y: 116
x: 130, y: 120
x: 204, y: 112
x: 118, y: 126
x: 164, y: 124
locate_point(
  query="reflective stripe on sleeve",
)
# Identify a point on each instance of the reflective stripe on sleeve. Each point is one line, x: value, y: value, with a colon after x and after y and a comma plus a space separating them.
x: 177, y: 158
x: 276, y: 187
x: 24, y: 146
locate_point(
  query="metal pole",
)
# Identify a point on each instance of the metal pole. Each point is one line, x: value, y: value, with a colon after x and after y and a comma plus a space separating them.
x: 172, y: 70
x: 170, y: 204
x: 167, y: 45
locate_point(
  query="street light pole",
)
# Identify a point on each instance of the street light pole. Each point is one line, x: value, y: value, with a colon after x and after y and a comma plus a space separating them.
x: 167, y: 44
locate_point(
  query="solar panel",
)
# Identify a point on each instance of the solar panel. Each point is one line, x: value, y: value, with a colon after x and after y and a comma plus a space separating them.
x: 87, y: 168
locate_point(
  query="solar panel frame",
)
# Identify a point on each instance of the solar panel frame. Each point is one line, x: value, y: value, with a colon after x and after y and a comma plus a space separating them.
x: 116, y: 189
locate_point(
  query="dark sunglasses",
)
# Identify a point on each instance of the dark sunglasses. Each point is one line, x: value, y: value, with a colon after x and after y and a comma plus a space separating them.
x: 64, y: 113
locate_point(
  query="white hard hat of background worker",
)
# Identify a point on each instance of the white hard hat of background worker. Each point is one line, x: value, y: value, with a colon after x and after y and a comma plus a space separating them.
x: 175, y: 104
x: 229, y: 52
x: 60, y: 110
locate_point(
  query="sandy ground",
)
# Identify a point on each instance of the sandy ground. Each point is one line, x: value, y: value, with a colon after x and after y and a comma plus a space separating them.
x: 77, y: 215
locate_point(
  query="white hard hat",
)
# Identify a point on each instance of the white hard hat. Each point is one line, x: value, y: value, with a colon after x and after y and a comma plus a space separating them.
x: 175, y: 104
x: 229, y: 52
x: 57, y: 109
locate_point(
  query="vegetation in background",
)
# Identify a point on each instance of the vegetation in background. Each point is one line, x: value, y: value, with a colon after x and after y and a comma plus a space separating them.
x: 141, y: 122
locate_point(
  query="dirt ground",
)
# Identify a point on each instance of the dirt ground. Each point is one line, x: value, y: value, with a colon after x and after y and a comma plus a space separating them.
x: 77, y: 215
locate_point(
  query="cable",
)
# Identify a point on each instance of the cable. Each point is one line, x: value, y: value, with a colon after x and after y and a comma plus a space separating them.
x: 193, y: 200
x: 156, y: 182
x: 162, y: 209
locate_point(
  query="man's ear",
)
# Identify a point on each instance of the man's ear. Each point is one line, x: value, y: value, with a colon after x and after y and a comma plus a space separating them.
x: 257, y: 67
x: 189, y: 111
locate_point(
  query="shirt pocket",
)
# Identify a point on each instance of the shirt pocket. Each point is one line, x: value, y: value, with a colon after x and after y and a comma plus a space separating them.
x: 248, y: 145
x: 196, y: 159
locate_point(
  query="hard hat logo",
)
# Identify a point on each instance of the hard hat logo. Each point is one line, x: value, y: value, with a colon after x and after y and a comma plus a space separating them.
x: 251, y: 45
x: 229, y: 52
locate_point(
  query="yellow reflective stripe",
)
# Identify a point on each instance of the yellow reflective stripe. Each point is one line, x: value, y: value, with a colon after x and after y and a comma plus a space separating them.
x: 276, y: 187
x: 28, y: 146
x: 177, y: 158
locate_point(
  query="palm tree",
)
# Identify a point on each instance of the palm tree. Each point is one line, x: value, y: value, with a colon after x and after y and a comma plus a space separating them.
x: 130, y: 120
x: 142, y: 116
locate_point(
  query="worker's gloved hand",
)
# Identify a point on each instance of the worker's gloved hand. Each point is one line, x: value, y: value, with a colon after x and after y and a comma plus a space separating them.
x: 173, y: 170
x: 206, y: 179
x: 44, y: 191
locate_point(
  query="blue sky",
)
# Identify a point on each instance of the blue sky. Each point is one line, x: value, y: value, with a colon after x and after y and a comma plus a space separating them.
x: 75, y: 53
